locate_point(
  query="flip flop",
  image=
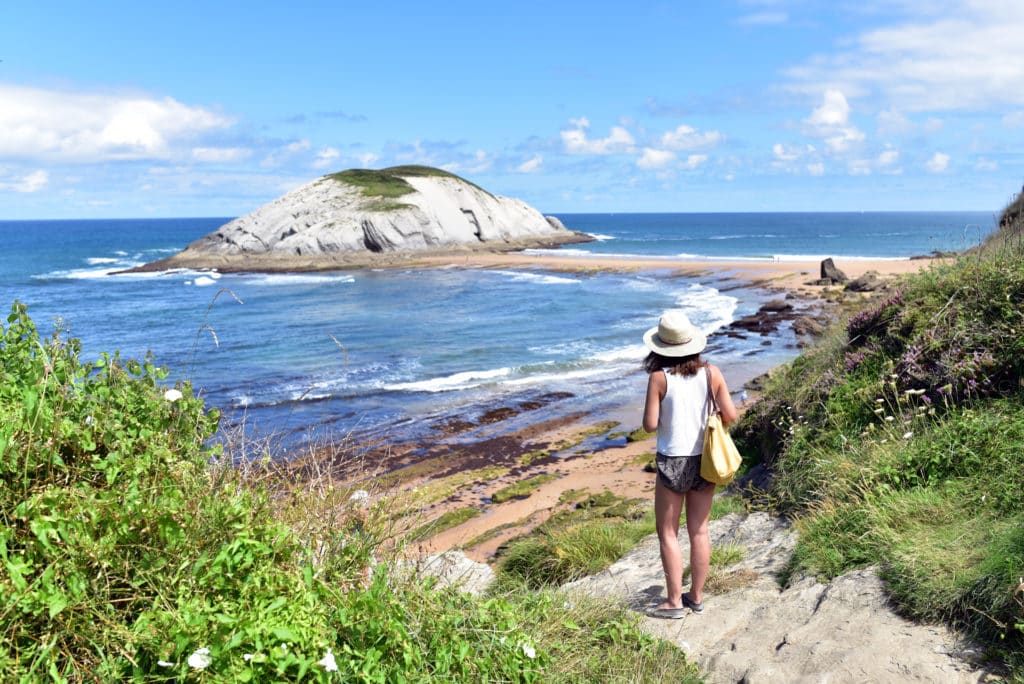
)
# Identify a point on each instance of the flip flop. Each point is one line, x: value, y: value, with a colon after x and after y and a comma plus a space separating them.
x: 667, y: 613
x: 692, y: 605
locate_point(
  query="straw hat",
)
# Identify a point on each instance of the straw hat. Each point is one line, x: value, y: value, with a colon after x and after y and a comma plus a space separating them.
x: 675, y: 336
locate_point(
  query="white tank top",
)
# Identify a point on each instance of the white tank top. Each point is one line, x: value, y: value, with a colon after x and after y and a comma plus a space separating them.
x: 683, y: 415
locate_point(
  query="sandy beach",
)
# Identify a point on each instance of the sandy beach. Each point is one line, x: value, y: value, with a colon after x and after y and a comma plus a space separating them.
x: 580, y: 455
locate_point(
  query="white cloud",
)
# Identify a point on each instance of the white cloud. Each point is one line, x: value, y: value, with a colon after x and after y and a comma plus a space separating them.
x: 834, y: 111
x: 31, y: 182
x: 888, y: 158
x: 831, y: 123
x: 986, y: 165
x: 695, y: 160
x: 575, y: 141
x: 326, y: 157
x: 367, y: 159
x: 478, y: 163
x: 938, y: 163
x: 967, y: 57
x: 893, y: 123
x: 81, y: 127
x: 220, y: 154
x: 688, y: 138
x: 816, y: 169
x: 531, y: 165
x: 859, y: 167
x: 786, y: 153
x: 655, y: 159
x: 286, y: 152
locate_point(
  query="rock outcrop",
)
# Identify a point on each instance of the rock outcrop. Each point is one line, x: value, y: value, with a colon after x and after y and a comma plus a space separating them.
x: 752, y: 630
x: 362, y: 217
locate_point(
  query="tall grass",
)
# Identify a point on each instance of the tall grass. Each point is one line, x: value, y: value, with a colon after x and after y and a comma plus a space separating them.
x: 132, y: 547
x: 899, y: 442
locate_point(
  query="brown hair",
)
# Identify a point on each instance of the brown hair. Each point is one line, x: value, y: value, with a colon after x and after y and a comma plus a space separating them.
x: 677, y: 365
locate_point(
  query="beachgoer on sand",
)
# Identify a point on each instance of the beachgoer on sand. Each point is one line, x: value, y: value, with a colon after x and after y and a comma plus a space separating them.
x: 676, y: 406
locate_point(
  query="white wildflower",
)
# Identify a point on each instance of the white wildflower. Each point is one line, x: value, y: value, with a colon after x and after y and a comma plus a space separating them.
x: 889, y: 419
x: 529, y: 651
x: 359, y: 496
x: 172, y: 395
x: 247, y: 657
x: 200, y: 659
x: 879, y: 410
x: 164, y: 663
x: 879, y: 401
x: 89, y: 420
x: 328, y: 662
x: 908, y: 435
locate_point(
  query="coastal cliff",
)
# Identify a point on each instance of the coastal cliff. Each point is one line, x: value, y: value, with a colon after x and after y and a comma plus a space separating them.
x: 369, y: 217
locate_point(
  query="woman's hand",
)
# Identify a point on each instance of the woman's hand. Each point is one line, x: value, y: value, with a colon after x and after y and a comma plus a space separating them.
x: 722, y: 396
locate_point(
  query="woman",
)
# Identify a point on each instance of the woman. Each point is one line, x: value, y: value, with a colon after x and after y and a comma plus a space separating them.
x: 676, y: 406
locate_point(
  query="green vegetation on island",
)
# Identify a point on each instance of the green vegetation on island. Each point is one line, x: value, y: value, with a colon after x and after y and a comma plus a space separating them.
x: 898, y: 442
x: 382, y: 187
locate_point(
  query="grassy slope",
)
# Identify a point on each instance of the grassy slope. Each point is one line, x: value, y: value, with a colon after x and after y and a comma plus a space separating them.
x: 899, y: 442
x: 129, y: 550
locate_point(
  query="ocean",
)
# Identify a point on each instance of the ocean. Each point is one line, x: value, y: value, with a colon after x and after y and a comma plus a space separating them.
x: 392, y: 354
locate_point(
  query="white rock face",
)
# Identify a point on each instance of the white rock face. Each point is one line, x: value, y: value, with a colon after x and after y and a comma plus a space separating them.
x: 327, y: 217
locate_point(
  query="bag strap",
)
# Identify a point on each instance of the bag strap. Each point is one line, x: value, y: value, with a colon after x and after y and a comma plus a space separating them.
x: 711, y: 403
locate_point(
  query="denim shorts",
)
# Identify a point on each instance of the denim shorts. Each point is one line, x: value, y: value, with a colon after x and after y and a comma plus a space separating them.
x: 680, y: 473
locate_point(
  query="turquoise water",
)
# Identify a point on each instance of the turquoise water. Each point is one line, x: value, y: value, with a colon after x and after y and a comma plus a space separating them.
x: 389, y: 354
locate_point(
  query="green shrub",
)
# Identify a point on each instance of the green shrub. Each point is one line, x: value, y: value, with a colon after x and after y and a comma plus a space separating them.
x: 131, y: 550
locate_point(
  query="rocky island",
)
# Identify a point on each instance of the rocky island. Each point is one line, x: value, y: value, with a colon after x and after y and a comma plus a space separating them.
x: 364, y: 217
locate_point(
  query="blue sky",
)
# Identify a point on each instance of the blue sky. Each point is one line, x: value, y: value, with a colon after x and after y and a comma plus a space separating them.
x: 129, y: 109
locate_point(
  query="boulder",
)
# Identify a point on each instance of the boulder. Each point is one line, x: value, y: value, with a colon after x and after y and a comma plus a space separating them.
x: 871, y: 281
x: 808, y: 326
x: 451, y: 569
x: 776, y: 305
x: 829, y: 271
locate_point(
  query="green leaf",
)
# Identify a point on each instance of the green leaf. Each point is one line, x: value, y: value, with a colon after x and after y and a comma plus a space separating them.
x: 58, y: 602
x: 284, y: 634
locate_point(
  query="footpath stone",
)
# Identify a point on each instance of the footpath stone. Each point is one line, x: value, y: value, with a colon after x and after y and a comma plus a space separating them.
x: 754, y: 631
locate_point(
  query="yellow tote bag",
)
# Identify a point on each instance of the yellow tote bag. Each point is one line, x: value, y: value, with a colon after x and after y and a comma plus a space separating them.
x: 720, y: 459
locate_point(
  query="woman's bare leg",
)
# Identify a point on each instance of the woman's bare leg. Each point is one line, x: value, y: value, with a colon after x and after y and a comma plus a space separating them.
x: 668, y: 507
x: 698, y: 512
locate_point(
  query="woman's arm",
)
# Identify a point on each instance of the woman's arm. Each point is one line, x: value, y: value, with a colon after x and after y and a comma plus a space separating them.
x: 722, y: 396
x: 657, y: 385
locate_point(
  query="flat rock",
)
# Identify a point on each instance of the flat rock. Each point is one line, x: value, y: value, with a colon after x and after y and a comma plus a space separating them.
x: 451, y: 569
x: 754, y: 632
